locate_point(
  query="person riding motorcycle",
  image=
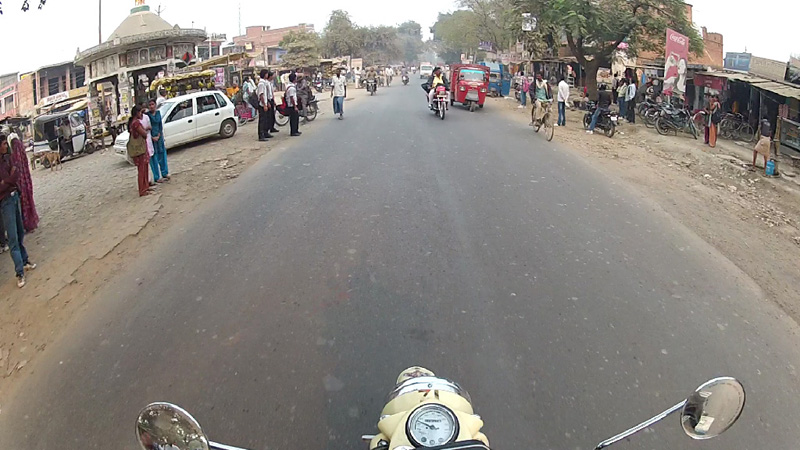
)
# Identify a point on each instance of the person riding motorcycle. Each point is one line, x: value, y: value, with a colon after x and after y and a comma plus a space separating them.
x: 373, y: 75
x: 437, y: 78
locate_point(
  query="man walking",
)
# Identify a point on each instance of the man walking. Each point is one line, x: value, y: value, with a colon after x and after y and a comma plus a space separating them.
x: 290, y: 97
x: 563, y: 98
x: 622, y: 92
x: 12, y: 214
x: 263, y: 107
x: 338, y: 92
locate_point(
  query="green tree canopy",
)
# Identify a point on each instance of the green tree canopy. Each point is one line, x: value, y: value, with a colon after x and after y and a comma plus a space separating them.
x: 409, y: 35
x: 340, y: 36
x: 302, y: 49
x: 594, y: 29
x: 456, y: 33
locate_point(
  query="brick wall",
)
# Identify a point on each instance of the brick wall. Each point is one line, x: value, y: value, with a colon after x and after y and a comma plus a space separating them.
x: 262, y: 37
x: 25, y: 105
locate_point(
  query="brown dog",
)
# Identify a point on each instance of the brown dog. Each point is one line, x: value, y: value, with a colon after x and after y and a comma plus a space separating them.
x: 54, y: 158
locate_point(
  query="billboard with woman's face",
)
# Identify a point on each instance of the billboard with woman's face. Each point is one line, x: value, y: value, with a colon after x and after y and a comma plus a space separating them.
x: 675, y: 63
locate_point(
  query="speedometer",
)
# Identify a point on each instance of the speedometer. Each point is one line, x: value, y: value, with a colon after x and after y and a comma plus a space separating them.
x: 432, y: 425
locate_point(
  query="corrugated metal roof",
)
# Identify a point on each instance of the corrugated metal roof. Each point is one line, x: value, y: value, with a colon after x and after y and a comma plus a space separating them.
x: 781, y: 89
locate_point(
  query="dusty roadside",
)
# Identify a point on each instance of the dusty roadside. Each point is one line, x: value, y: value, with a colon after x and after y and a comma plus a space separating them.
x: 751, y: 219
x: 93, y: 223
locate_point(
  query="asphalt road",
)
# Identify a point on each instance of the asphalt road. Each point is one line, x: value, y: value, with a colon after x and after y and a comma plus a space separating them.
x: 280, y: 314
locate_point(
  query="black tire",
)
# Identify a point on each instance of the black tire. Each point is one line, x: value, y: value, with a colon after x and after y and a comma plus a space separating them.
x: 90, y: 148
x: 471, y: 106
x: 311, y: 113
x: 587, y: 120
x: 442, y: 110
x: 242, y: 120
x: 746, y: 133
x: 480, y: 106
x: 280, y: 119
x: 452, y: 102
x: 549, y: 131
x: 372, y: 92
x: 227, y: 129
x: 662, y: 127
x: 610, y: 130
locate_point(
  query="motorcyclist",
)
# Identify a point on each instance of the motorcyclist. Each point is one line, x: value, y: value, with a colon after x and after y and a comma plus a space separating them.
x: 603, y: 105
x: 373, y: 75
x: 304, y: 93
x: 437, y: 78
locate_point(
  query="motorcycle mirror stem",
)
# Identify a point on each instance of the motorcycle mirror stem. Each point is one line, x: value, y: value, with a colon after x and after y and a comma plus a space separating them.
x: 631, y: 431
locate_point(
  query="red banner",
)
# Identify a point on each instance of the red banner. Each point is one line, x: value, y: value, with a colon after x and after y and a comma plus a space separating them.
x: 710, y: 82
x: 675, y: 63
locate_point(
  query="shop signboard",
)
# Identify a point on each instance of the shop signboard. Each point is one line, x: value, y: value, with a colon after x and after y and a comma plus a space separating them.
x: 768, y: 68
x: 737, y: 61
x: 710, y: 82
x: 219, y: 79
x: 675, y: 63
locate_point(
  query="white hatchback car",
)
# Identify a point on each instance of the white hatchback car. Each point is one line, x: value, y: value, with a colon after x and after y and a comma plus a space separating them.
x: 189, y: 118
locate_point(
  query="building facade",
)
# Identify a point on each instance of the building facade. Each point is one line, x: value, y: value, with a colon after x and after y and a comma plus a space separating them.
x: 263, y: 42
x: 142, y: 48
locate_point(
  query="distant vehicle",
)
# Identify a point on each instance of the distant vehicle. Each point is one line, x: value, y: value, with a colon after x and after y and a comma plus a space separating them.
x: 425, y: 70
x: 191, y: 117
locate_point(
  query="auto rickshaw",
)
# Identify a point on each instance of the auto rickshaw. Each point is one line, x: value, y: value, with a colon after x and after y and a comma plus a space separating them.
x: 64, y: 132
x: 470, y: 85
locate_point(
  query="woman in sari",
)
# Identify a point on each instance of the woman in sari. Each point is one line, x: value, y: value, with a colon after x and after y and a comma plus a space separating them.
x: 30, y: 219
x: 137, y: 150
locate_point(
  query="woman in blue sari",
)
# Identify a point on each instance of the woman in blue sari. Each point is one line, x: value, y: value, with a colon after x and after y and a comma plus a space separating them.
x: 158, y: 163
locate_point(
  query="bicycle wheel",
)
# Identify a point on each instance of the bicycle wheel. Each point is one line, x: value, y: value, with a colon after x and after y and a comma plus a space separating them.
x: 699, y: 119
x: 725, y: 128
x: 549, y: 129
x: 746, y: 133
x: 311, y: 112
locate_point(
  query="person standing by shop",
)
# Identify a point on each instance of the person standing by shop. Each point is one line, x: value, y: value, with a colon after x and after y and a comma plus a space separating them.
x: 338, y: 92
x: 145, y: 120
x: 563, y: 98
x: 158, y: 163
x: 111, y: 126
x: 137, y: 149
x: 11, y: 213
x: 263, y: 107
x: 630, y: 101
x: 525, y: 88
x: 713, y: 116
x: 622, y: 91
x: 290, y: 98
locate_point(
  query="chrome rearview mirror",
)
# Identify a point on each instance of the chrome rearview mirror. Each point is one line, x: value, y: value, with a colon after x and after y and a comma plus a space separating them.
x: 164, y: 426
x: 712, y: 408
x: 708, y: 412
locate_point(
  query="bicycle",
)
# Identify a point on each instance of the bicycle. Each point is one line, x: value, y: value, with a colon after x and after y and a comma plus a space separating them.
x: 735, y: 126
x: 546, y: 121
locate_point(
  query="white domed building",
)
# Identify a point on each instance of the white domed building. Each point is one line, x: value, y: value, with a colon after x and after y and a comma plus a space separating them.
x: 142, y: 48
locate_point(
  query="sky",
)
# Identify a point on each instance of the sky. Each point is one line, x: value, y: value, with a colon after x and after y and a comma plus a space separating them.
x: 55, y: 33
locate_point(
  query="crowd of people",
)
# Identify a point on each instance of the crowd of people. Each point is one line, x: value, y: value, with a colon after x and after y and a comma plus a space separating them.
x: 17, y: 208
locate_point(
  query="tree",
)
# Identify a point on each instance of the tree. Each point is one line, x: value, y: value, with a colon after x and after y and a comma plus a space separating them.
x: 456, y: 33
x: 496, y: 21
x: 594, y: 29
x: 340, y: 36
x: 302, y: 49
x: 380, y: 45
x: 410, y: 40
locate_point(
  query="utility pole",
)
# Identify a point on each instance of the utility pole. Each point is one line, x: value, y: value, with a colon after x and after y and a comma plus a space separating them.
x: 160, y: 10
x: 240, y: 18
x: 100, y: 22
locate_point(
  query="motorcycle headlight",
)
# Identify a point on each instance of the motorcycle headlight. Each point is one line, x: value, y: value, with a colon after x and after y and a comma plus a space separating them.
x: 432, y: 425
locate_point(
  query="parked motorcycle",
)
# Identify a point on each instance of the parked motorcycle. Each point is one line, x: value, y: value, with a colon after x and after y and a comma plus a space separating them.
x: 372, y: 86
x: 426, y: 411
x: 319, y: 85
x: 606, y: 122
x: 405, y: 80
x: 674, y: 120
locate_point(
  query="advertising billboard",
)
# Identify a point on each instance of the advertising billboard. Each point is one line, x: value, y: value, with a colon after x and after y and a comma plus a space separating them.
x: 675, y: 63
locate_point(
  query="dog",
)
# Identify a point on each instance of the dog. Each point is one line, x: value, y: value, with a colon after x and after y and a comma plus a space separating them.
x: 54, y: 158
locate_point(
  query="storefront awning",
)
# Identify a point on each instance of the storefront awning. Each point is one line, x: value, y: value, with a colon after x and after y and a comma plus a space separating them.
x: 784, y: 90
x: 780, y: 89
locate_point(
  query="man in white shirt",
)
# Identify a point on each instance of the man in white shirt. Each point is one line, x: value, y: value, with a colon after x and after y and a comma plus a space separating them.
x: 338, y: 92
x: 249, y: 89
x: 290, y: 98
x: 271, y: 100
x: 388, y: 72
x: 630, y: 102
x: 563, y: 98
x: 357, y: 74
x: 160, y: 98
x: 262, y: 91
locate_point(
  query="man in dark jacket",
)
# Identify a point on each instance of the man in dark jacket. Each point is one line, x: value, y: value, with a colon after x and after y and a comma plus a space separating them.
x: 603, y: 104
x: 12, y: 214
